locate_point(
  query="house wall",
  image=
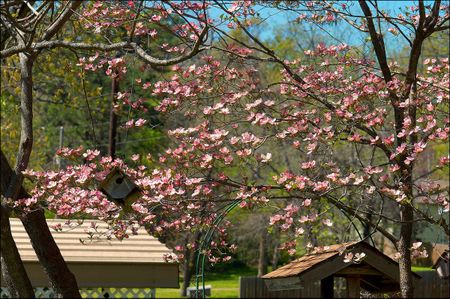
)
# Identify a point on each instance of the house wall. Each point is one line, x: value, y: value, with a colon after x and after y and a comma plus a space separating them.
x: 105, y: 275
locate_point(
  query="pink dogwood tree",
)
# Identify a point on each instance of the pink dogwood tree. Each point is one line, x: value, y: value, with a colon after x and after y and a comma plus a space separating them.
x: 329, y: 102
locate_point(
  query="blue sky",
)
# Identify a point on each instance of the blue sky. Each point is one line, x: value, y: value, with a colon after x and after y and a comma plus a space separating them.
x: 346, y: 33
x: 343, y: 32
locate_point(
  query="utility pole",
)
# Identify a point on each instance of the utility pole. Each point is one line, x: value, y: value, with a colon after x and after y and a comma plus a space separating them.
x: 113, y: 116
x: 61, y: 144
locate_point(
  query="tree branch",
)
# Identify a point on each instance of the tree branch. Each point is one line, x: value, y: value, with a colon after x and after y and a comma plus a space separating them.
x: 61, y: 20
x: 377, y: 41
x: 105, y: 47
x: 353, y: 212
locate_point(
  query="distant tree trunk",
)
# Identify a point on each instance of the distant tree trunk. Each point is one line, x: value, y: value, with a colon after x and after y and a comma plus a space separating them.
x: 262, y: 262
x: 312, y: 236
x: 276, y: 254
x: 187, y: 273
x: 406, y: 230
x: 367, y: 227
x: 113, y: 118
x: 189, y: 264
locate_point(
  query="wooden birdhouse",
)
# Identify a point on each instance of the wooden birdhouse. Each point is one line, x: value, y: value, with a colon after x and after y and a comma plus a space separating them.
x: 118, y: 187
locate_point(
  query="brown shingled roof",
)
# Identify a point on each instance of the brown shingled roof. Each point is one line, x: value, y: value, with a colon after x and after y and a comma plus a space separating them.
x: 437, y: 252
x: 309, y: 260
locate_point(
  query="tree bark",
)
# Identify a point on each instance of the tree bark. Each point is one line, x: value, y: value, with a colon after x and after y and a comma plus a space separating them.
x: 276, y: 252
x: 187, y: 273
x: 113, y: 117
x: 262, y: 262
x: 26, y: 133
x: 61, y: 278
x: 404, y: 248
x: 13, y: 272
x: 189, y: 263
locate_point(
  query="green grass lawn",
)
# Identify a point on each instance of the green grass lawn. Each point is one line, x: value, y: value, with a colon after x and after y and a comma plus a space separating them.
x: 224, y: 283
x: 420, y: 268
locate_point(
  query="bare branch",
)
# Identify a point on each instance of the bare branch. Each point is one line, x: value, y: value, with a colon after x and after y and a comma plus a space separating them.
x: 166, y: 62
x: 105, y: 47
x: 377, y: 41
x: 61, y: 20
x: 354, y: 213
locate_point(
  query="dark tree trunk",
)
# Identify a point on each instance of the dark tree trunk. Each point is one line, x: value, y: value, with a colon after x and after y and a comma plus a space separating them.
x: 113, y: 118
x: 276, y: 254
x: 312, y: 236
x: 404, y: 248
x: 262, y: 262
x: 13, y: 272
x: 61, y: 278
x: 188, y: 265
x: 187, y: 273
x: 367, y: 227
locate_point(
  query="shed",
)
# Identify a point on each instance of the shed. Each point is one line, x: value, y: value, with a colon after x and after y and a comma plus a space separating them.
x: 136, y: 262
x: 440, y: 258
x: 375, y: 273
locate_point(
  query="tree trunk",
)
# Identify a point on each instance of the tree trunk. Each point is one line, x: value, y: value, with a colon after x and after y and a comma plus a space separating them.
x: 276, y: 253
x: 61, y: 278
x: 46, y: 249
x: 189, y: 263
x: 13, y: 271
x: 113, y: 117
x: 367, y: 227
x: 187, y: 273
x: 404, y: 248
x: 262, y: 262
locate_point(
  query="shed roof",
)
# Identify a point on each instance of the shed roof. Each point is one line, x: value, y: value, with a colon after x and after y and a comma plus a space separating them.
x: 75, y: 245
x: 378, y: 272
x: 135, y: 262
x: 438, y: 251
x: 309, y: 260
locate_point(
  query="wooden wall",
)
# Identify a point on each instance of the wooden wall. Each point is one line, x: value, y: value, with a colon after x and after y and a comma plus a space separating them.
x: 254, y: 287
x: 430, y: 286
